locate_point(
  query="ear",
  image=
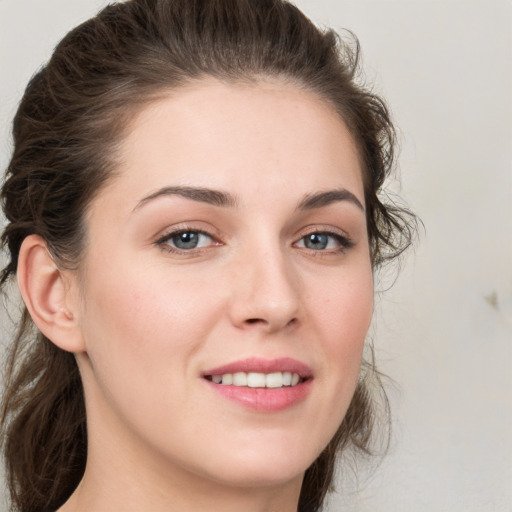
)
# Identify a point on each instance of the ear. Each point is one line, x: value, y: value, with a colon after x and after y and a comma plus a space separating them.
x: 49, y: 295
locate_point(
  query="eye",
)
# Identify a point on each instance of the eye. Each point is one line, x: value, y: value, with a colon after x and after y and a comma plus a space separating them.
x: 185, y: 240
x: 324, y: 241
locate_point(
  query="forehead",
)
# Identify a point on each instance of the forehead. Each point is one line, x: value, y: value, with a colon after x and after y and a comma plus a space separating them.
x: 248, y: 138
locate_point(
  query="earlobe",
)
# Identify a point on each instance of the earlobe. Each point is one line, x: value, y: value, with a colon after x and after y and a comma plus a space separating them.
x: 47, y: 295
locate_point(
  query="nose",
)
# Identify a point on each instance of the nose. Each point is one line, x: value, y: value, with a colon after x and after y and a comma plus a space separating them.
x: 265, y: 293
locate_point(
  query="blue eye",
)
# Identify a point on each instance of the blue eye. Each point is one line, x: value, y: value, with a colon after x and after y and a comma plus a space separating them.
x: 317, y: 241
x: 186, y: 240
x: 324, y: 241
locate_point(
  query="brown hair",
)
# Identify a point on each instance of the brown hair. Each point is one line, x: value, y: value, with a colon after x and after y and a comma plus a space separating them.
x: 65, y: 132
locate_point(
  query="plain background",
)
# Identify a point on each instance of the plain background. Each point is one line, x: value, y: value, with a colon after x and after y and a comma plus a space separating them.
x: 444, y: 331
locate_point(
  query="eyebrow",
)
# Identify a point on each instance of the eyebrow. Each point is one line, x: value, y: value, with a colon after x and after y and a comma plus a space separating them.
x: 320, y: 199
x: 203, y: 195
x: 225, y: 199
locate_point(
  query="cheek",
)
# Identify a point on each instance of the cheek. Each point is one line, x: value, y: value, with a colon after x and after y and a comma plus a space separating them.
x: 345, y: 308
x: 342, y: 319
x: 146, y: 315
x: 142, y: 331
x: 338, y: 318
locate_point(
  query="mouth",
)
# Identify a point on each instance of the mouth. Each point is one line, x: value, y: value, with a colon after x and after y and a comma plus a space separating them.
x: 266, y: 385
x: 274, y: 380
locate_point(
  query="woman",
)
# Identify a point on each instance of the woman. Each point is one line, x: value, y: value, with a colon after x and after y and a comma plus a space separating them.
x: 193, y: 223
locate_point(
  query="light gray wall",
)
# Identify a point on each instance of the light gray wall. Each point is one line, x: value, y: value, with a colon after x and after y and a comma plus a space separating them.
x: 444, y: 332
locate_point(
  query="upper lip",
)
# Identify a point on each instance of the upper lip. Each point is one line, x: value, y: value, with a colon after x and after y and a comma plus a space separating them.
x: 261, y: 365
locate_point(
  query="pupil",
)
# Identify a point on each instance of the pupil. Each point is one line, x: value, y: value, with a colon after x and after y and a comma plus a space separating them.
x: 316, y: 241
x: 188, y: 240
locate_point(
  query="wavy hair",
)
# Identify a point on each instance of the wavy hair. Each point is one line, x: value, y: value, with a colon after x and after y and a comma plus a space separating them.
x: 70, y: 120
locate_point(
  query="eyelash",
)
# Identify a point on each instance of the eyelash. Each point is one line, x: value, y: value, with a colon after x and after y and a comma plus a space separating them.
x: 344, y: 242
x: 163, y: 242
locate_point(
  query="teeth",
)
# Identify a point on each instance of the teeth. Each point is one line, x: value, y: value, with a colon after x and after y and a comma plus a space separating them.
x: 240, y: 379
x: 274, y: 380
x: 257, y: 380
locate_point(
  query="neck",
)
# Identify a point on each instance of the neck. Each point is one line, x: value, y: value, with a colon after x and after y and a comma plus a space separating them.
x: 134, y: 494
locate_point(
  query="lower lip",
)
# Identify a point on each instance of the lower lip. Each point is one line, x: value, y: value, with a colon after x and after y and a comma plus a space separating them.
x: 264, y: 399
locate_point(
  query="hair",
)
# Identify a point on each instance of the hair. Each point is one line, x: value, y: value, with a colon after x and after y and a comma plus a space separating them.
x: 74, y: 114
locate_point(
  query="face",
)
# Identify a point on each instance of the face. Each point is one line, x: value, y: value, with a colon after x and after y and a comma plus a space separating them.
x: 227, y: 289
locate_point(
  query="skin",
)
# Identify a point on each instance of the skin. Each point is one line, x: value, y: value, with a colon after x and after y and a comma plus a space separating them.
x: 145, y: 321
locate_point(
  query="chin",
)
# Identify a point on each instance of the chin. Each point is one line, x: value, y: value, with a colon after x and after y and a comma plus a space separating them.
x: 269, y: 474
x: 264, y: 467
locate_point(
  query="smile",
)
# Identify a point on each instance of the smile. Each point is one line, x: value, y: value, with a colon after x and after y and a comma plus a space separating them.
x: 257, y: 380
x: 263, y: 385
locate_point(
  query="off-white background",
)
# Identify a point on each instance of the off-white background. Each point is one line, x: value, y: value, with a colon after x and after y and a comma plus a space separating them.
x: 444, y: 333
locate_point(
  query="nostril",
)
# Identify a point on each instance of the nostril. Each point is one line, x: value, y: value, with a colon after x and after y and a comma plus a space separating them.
x: 262, y: 321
